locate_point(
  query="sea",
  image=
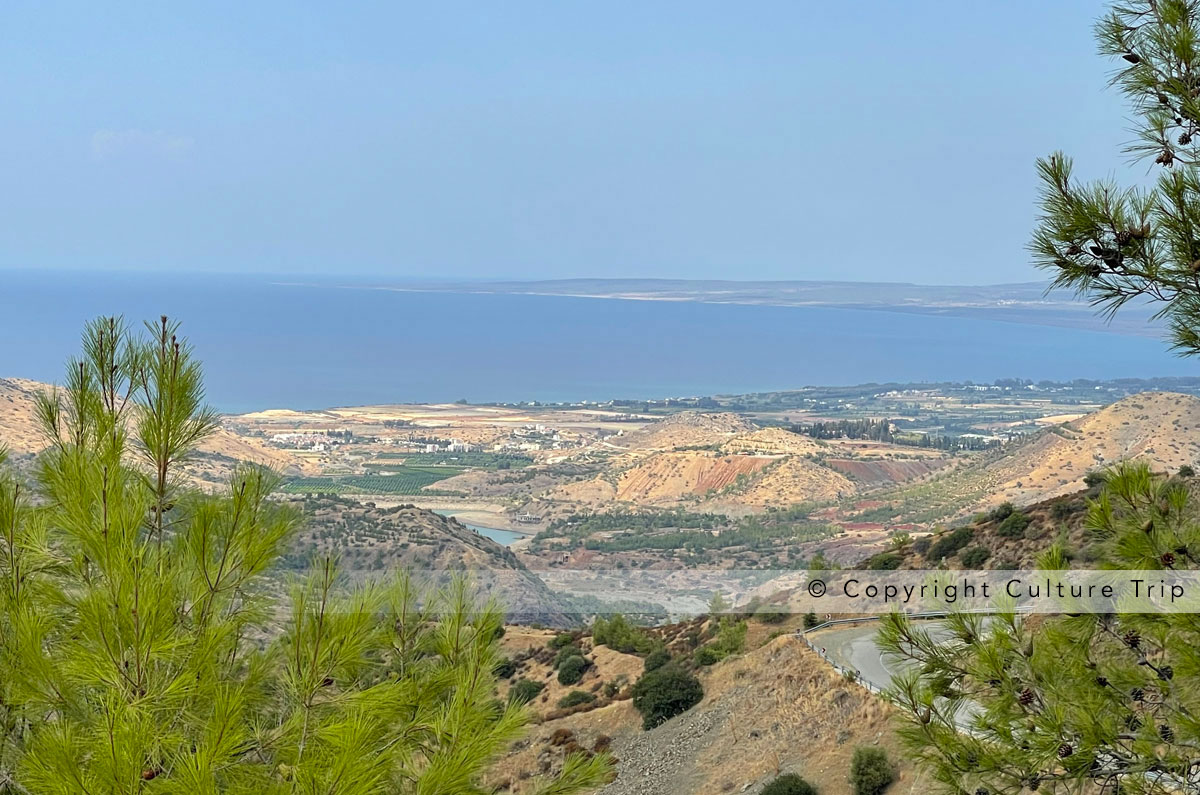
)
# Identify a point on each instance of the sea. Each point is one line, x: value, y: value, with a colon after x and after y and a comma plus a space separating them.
x: 269, y: 342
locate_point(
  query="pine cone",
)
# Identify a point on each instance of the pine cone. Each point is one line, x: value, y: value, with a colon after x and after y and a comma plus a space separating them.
x: 1166, y: 673
x: 1124, y: 237
x: 1074, y: 250
x: 1026, y: 697
x: 1166, y: 733
x: 1102, y: 681
x: 1185, y: 139
x: 1162, y: 99
x: 1132, y: 639
x: 1065, y: 750
x: 1133, y: 722
x: 1168, y: 559
x: 1133, y: 58
x: 1137, y: 694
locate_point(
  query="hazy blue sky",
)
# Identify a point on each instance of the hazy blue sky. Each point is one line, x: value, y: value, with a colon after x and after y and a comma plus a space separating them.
x: 851, y: 140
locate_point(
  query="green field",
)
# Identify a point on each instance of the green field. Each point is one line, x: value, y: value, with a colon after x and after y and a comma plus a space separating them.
x: 402, y: 479
x: 480, y: 460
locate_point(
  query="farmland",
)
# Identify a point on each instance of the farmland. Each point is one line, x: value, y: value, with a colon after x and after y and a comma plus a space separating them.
x: 400, y: 480
x: 443, y: 458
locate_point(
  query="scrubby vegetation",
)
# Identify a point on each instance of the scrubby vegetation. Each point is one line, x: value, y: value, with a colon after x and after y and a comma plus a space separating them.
x: 870, y: 771
x: 665, y: 692
x: 949, y: 543
x: 789, y: 784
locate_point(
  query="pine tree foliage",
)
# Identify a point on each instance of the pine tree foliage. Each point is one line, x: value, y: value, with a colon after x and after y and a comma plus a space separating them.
x: 1114, y: 244
x: 1084, y: 703
x: 145, y: 649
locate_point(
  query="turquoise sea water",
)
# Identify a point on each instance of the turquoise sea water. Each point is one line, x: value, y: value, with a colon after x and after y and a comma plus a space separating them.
x: 267, y: 344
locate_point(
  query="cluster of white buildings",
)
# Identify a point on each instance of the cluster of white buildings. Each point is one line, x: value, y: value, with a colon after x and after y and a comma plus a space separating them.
x: 453, y: 446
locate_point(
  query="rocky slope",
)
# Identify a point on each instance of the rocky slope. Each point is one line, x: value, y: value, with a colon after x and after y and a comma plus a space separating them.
x: 374, y: 541
x: 777, y: 708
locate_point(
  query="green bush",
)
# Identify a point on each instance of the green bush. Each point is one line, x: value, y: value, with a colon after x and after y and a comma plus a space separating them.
x: 524, y: 690
x: 565, y: 653
x: 870, y: 771
x: 505, y: 668
x: 974, y: 557
x: 1013, y: 526
x: 1001, y: 511
x: 560, y: 640
x: 949, y: 543
x: 618, y: 634
x: 885, y: 561
x: 575, y: 698
x: 656, y: 659
x: 708, y: 655
x: 571, y: 671
x: 811, y: 620
x: 1061, y: 510
x: 789, y: 784
x: 1186, y: 471
x: 665, y: 692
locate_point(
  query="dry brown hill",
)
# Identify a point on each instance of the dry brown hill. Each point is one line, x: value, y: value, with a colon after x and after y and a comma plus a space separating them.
x: 216, y: 457
x: 778, y: 708
x: 1160, y: 427
x: 685, y: 429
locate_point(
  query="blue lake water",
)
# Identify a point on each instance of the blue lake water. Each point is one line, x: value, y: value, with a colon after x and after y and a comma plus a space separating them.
x: 502, y: 537
x: 267, y: 344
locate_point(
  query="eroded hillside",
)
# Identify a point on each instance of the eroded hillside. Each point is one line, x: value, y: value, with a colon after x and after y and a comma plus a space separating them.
x: 214, y: 460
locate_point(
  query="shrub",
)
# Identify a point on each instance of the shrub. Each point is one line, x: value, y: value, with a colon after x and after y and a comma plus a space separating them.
x: 1001, y: 512
x: 1094, y: 479
x: 789, y: 784
x: 560, y: 640
x: 811, y: 620
x: 524, y: 690
x: 1013, y: 526
x: 949, y: 543
x: 708, y: 655
x: 575, y: 698
x: 1008, y: 564
x: 921, y: 545
x: 885, y: 561
x: 505, y: 668
x: 656, y: 659
x: 665, y: 692
x: 571, y: 671
x: 870, y: 771
x: 1186, y: 471
x: 565, y: 653
x: 974, y: 557
x: 618, y: 634
x: 1061, y: 510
